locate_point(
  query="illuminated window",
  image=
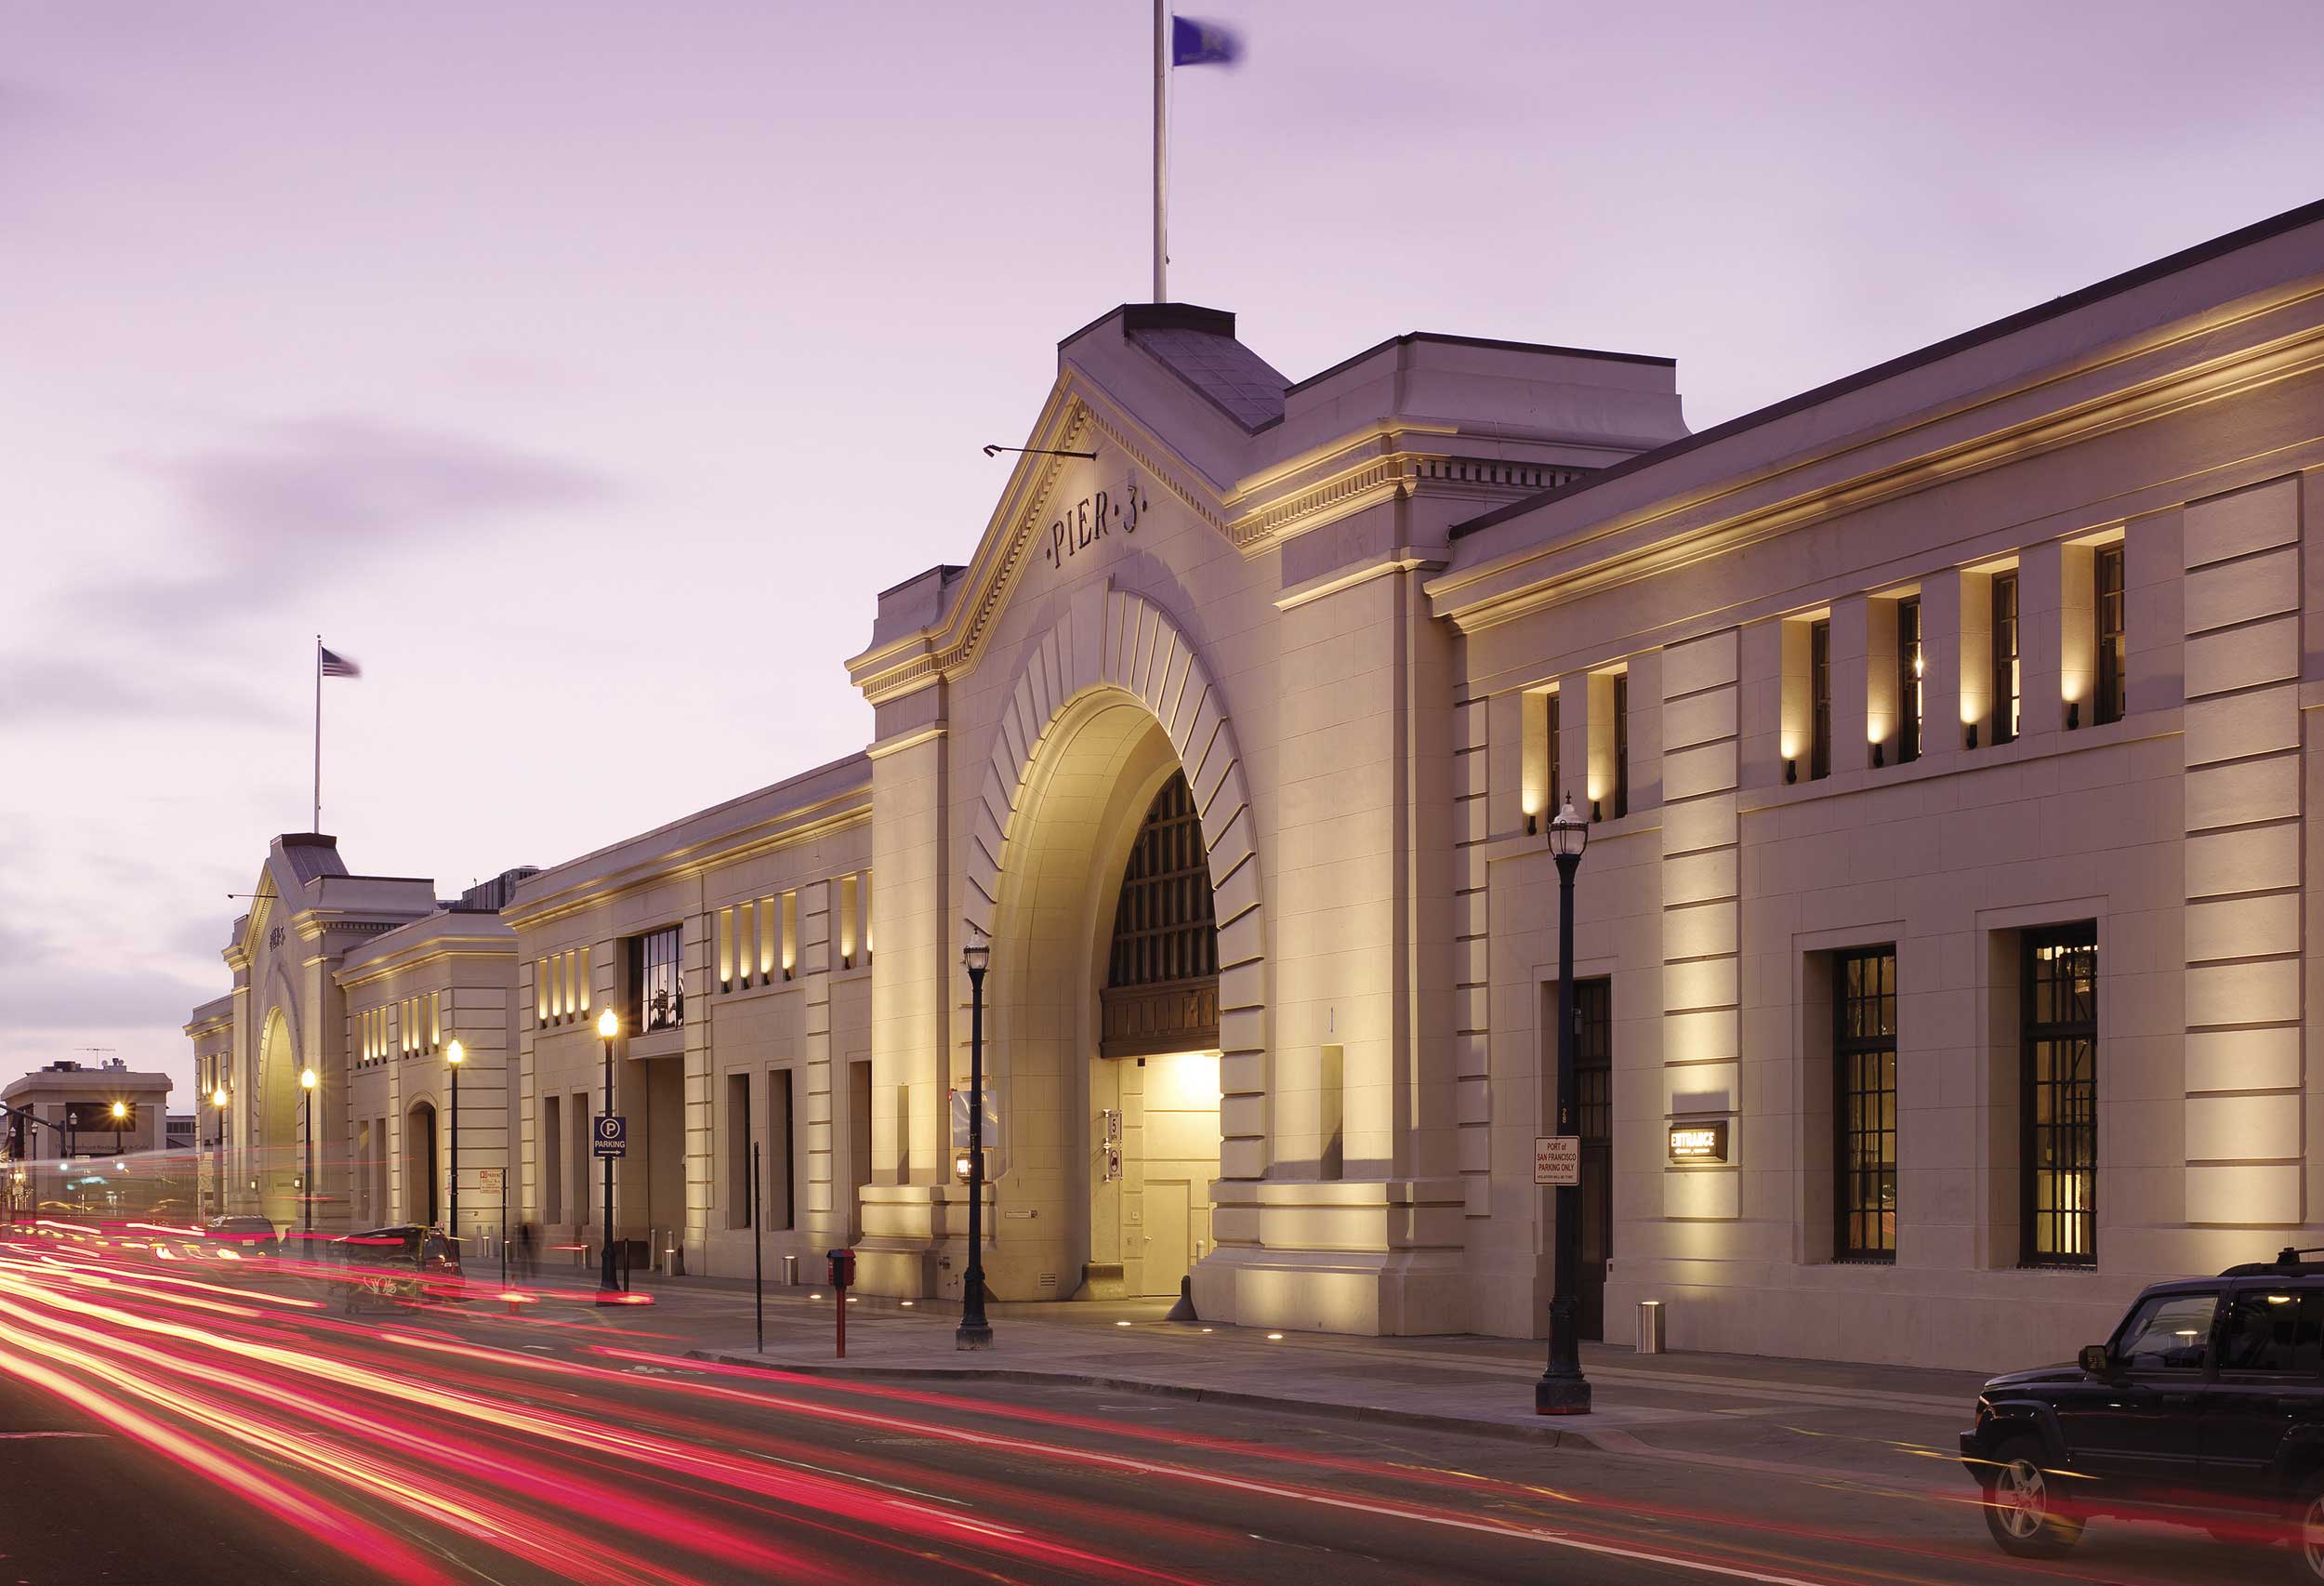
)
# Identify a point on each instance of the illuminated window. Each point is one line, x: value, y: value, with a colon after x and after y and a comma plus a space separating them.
x: 1621, y: 745
x: 2007, y: 690
x: 1163, y: 928
x: 1909, y: 666
x: 2058, y: 1097
x: 1819, y: 700
x: 2106, y: 570
x: 1864, y: 1103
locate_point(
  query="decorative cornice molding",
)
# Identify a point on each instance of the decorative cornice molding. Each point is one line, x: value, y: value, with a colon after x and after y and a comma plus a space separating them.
x: 2125, y: 408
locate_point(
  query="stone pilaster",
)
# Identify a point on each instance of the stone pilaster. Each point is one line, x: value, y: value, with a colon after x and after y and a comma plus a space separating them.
x: 1701, y: 999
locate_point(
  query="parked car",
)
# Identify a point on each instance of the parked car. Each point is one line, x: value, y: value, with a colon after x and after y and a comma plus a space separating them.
x: 402, y: 1263
x: 248, y: 1236
x: 2205, y: 1408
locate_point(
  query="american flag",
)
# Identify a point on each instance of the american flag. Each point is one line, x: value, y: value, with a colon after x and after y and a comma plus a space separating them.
x: 338, y: 666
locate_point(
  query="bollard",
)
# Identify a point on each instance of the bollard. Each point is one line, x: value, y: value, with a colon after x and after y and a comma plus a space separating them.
x: 790, y: 1271
x: 1650, y: 1327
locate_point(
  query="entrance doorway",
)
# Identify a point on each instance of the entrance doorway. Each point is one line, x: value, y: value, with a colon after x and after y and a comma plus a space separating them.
x: 278, y: 1164
x: 1154, y: 1085
x: 423, y: 1185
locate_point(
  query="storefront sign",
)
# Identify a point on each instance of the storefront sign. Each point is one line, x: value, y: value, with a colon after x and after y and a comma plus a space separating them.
x: 1698, y: 1141
x: 1557, y: 1159
x: 1091, y: 520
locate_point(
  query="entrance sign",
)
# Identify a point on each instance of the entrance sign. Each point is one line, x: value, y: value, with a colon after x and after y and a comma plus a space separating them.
x: 485, y: 1180
x: 1557, y: 1160
x: 1091, y: 520
x: 1699, y: 1142
x: 611, y: 1136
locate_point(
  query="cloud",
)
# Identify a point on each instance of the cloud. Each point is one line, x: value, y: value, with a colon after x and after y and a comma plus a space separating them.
x: 65, y: 690
x: 298, y: 504
x: 68, y: 997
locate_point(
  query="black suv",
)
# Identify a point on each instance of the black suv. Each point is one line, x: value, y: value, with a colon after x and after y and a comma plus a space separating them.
x: 2206, y: 1407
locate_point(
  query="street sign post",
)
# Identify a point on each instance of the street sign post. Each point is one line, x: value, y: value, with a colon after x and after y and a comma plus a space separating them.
x: 1557, y: 1160
x: 611, y: 1137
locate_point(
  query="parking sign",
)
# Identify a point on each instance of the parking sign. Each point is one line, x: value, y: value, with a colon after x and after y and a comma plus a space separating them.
x: 612, y: 1136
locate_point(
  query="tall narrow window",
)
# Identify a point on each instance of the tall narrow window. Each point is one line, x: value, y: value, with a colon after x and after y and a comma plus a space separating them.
x: 2058, y: 1097
x: 2106, y: 567
x: 2006, y: 678
x: 659, y: 995
x: 1909, y: 666
x: 1594, y: 1121
x: 1819, y: 700
x: 1622, y: 745
x: 738, y: 1201
x: 777, y: 1179
x: 1864, y: 1103
x: 1556, y: 796
x: 552, y: 1160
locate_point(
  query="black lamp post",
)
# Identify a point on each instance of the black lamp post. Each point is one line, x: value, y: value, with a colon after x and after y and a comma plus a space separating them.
x: 456, y: 1054
x: 975, y: 1332
x: 307, y: 1201
x: 218, y: 1099
x: 1563, y: 1390
x: 608, y: 1027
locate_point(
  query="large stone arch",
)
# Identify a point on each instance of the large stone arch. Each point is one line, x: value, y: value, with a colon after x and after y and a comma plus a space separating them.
x: 276, y: 1142
x: 1087, y: 701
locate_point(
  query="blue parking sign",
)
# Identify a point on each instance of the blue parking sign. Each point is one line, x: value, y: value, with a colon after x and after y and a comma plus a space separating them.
x: 611, y: 1136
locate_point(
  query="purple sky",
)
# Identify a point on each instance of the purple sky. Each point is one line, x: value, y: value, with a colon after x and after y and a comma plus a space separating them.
x: 584, y: 369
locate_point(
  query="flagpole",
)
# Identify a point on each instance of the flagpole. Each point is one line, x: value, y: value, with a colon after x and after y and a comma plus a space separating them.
x: 1161, y: 148
x: 318, y: 809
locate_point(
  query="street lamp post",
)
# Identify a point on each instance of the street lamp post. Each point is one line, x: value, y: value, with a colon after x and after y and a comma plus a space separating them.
x: 306, y: 1200
x: 218, y: 1099
x: 975, y: 1332
x: 456, y: 1054
x: 608, y: 1027
x: 1563, y: 1390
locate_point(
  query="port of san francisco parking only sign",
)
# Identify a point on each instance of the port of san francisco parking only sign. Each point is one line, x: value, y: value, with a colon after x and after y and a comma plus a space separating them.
x: 1557, y: 1160
x: 611, y: 1136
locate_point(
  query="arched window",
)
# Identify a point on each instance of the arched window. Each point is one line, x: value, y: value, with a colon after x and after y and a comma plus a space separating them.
x: 1162, y: 971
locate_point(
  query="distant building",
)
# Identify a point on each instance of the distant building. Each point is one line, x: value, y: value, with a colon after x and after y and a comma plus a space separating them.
x: 71, y: 1116
x: 179, y: 1135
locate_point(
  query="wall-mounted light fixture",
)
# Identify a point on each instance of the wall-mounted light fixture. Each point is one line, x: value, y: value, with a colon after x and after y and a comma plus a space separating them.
x: 1791, y: 772
x: 1036, y: 452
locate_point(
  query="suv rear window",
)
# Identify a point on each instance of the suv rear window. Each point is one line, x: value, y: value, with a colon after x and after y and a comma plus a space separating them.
x: 2274, y: 1330
x: 2169, y: 1332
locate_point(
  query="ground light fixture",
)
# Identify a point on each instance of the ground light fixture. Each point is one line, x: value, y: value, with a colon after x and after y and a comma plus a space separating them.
x: 456, y: 1054
x: 975, y: 1332
x: 1563, y: 1390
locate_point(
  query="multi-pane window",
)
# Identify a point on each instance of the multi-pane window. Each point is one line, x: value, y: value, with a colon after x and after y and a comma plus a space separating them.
x: 1163, y: 928
x: 1594, y: 1058
x: 1864, y: 1103
x: 657, y: 992
x: 1553, y: 728
x: 2007, y: 682
x: 2058, y: 1097
x: 2106, y: 569
x: 1909, y: 669
x: 1819, y: 700
x: 1622, y: 745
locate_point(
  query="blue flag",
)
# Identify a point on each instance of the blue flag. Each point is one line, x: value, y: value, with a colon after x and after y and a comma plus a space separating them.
x: 1202, y: 44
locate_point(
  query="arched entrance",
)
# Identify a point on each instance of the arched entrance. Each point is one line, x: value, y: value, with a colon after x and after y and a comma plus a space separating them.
x: 1154, y: 1081
x: 277, y: 1164
x: 423, y: 1182
x: 1109, y: 707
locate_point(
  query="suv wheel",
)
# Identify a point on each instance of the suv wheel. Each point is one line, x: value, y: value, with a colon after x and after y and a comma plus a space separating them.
x: 2019, y: 1509
x: 2307, y: 1534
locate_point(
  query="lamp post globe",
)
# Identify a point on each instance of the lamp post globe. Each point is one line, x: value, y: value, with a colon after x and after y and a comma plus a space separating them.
x: 974, y: 1332
x: 455, y: 1055
x: 1563, y: 1390
x: 608, y: 1027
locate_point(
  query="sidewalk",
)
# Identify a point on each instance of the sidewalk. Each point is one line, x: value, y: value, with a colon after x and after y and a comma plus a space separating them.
x: 1811, y: 1417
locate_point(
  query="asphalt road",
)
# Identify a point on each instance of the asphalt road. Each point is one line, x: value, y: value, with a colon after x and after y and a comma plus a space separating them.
x: 188, y: 1427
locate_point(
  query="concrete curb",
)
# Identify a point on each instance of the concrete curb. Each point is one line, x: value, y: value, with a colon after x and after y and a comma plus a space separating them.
x: 1555, y: 1436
